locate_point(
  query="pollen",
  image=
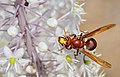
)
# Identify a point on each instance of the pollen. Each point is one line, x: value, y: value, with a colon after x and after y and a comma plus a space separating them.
x: 68, y: 58
x: 87, y: 62
x: 12, y: 60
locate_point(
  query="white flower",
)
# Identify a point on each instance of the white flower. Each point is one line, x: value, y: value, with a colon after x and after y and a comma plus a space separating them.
x: 65, y: 62
x: 42, y: 46
x: 52, y: 22
x: 13, y: 60
x: 12, y: 31
x: 54, y: 40
x: 78, y: 10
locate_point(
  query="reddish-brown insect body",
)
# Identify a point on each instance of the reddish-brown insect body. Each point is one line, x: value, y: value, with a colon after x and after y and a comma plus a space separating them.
x: 77, y: 43
x: 91, y: 44
x: 68, y: 42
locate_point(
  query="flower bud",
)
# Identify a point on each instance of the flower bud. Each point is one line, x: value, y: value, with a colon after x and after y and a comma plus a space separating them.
x: 12, y: 31
x: 30, y: 69
x: 52, y: 22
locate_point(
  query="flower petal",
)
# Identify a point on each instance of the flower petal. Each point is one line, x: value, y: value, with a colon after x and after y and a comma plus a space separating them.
x: 18, y: 68
x: 23, y: 61
x: 4, y: 66
x: 71, y: 73
x: 7, y: 52
x: 42, y: 46
x: 8, y: 74
x: 59, y: 67
x: 3, y: 61
x: 82, y: 69
x: 70, y: 67
x: 59, y: 58
x: 59, y: 31
x: 19, y: 53
x: 8, y: 67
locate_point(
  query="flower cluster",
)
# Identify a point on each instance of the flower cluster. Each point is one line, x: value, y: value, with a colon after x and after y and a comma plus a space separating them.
x: 29, y: 46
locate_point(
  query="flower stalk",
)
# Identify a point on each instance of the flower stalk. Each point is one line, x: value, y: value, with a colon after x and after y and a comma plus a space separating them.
x: 22, y: 22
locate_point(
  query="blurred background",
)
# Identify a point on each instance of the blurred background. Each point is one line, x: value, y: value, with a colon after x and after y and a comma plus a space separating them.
x: 100, y: 13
